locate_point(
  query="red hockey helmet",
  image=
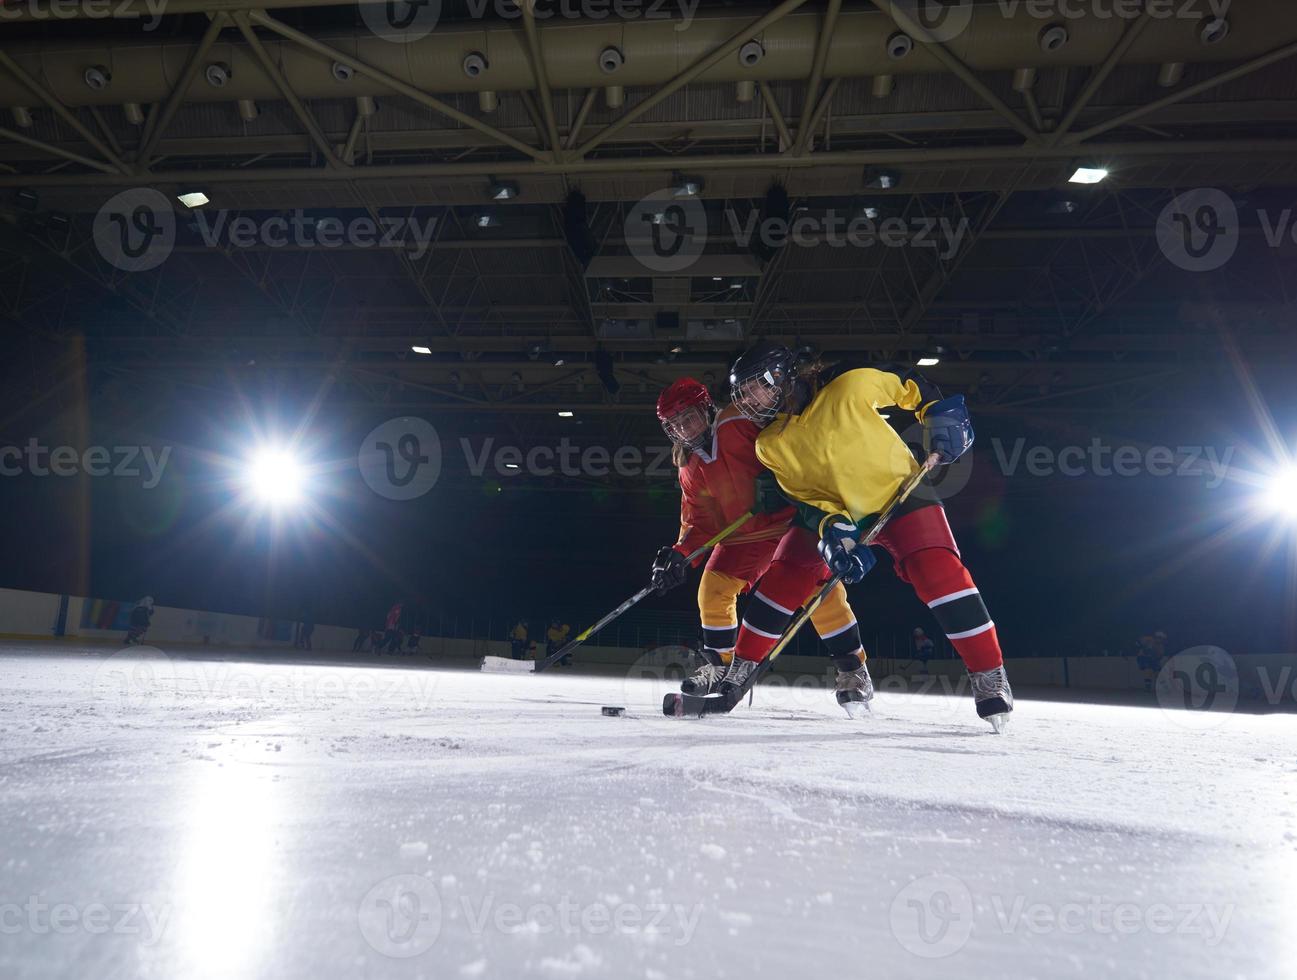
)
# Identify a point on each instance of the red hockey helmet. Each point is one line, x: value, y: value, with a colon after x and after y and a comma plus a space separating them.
x: 685, y: 410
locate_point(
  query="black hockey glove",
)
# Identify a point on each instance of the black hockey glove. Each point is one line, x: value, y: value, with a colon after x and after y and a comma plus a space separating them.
x: 769, y: 498
x: 670, y: 569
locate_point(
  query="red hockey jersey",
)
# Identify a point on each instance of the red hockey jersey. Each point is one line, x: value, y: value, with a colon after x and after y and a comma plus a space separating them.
x: 718, y: 487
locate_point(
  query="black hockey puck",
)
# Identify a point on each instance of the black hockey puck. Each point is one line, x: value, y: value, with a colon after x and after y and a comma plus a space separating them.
x: 612, y: 711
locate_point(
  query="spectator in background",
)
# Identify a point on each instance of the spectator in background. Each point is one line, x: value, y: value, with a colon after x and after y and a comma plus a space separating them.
x: 518, y: 640
x: 413, y: 623
x: 141, y: 616
x: 308, y: 628
x: 555, y: 637
x: 1150, y: 651
x: 922, y: 647
x: 392, y: 628
x: 305, y: 627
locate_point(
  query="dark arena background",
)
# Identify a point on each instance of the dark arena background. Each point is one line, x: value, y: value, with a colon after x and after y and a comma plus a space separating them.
x: 334, y: 336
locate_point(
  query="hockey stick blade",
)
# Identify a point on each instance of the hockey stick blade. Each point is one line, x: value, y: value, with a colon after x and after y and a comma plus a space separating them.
x: 677, y: 705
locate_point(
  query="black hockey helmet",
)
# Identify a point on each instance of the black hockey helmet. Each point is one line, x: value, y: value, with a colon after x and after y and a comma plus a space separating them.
x: 761, y: 379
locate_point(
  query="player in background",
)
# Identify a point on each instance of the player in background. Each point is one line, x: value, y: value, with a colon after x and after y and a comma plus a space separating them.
x: 922, y: 647
x: 717, y: 463
x: 834, y: 455
x: 518, y: 640
x: 141, y: 617
x: 555, y: 637
x: 1149, y: 655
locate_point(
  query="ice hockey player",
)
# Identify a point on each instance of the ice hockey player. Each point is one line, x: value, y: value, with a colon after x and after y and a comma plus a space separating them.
x: 1150, y: 652
x: 834, y: 455
x: 141, y: 616
x: 717, y: 467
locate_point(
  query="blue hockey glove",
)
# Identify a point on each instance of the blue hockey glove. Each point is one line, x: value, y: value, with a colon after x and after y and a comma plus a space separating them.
x: 841, y: 549
x: 947, y: 429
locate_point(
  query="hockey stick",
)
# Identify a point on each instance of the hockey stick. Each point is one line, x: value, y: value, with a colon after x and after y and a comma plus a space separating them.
x: 678, y: 705
x: 643, y: 593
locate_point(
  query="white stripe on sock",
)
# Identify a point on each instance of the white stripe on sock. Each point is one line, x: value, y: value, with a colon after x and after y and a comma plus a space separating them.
x: 774, y: 605
x: 951, y: 598
x: 973, y: 632
x: 829, y: 636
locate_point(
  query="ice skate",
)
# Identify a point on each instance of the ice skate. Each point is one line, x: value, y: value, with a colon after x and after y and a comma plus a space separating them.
x: 993, y: 696
x: 855, y: 691
x: 736, y: 675
x: 706, y: 679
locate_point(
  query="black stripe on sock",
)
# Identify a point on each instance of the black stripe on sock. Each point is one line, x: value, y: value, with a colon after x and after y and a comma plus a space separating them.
x: 720, y: 639
x: 762, y: 616
x: 848, y: 641
x: 962, y: 614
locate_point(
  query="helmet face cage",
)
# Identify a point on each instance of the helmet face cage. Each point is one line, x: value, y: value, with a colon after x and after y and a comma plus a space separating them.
x: 691, y: 426
x: 760, y: 394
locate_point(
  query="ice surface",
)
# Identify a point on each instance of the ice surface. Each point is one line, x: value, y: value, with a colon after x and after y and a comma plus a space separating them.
x: 185, y: 818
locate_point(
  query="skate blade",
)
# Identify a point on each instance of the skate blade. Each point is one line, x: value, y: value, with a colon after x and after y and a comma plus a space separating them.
x: 856, y: 709
x: 999, y: 722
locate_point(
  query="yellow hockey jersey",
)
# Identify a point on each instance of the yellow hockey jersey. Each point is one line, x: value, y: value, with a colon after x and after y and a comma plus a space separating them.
x: 839, y: 455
